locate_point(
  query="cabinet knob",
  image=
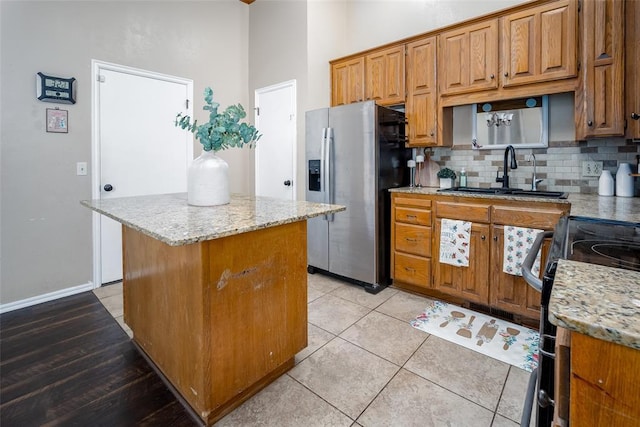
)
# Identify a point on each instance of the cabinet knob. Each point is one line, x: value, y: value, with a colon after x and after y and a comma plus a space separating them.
x: 492, y: 77
x: 506, y: 74
x: 590, y: 123
x: 432, y: 133
x: 483, y: 237
x: 495, y: 238
x: 108, y: 187
x: 635, y: 116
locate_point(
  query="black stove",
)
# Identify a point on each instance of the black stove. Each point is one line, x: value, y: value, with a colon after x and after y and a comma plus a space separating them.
x: 595, y: 241
x: 603, y: 242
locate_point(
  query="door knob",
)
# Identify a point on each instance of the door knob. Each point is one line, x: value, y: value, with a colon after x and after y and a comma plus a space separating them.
x: 108, y: 187
x: 287, y: 183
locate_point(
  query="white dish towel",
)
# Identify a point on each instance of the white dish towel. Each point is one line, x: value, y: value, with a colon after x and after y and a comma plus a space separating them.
x: 454, y: 242
x: 517, y: 242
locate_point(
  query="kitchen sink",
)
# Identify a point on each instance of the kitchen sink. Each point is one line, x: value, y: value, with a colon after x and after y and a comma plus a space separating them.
x: 475, y: 190
x: 536, y: 193
x: 506, y: 191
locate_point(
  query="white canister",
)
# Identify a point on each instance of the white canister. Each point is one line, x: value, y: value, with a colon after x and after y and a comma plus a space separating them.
x: 624, y: 181
x: 605, y: 184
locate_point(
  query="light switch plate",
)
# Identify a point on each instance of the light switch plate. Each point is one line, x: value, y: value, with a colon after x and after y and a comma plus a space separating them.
x: 81, y: 168
x: 591, y: 168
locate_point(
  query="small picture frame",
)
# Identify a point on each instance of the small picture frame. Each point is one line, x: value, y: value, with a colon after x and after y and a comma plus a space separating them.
x: 57, y: 120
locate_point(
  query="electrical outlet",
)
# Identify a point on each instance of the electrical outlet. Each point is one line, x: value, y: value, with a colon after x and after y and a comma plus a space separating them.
x: 81, y: 168
x: 591, y: 168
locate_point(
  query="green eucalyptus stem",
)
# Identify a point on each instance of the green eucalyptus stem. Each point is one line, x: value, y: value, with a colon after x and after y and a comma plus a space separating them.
x: 223, y: 130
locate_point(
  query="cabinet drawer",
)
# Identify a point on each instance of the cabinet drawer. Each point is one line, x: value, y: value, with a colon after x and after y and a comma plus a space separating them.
x: 463, y: 211
x: 413, y: 239
x: 412, y: 269
x: 413, y: 216
x: 545, y: 219
x: 411, y: 201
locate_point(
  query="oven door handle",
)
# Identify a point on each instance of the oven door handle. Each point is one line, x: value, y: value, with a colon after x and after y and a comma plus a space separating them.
x: 534, y: 281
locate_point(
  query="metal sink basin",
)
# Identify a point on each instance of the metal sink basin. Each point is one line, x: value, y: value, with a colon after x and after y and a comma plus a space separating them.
x: 547, y: 194
x: 475, y: 190
x: 506, y: 191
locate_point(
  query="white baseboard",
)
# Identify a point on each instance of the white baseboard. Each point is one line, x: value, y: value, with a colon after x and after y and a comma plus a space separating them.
x: 38, y: 299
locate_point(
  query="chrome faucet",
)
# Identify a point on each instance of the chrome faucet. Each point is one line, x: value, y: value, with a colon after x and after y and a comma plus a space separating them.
x: 534, y: 179
x: 514, y: 165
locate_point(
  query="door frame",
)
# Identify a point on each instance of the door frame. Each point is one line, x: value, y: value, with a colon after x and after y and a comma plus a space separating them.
x: 294, y: 148
x: 96, y: 172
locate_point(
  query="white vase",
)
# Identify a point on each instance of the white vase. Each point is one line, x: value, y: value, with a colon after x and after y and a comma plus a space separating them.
x: 446, y: 182
x: 624, y: 181
x: 605, y: 184
x: 208, y: 181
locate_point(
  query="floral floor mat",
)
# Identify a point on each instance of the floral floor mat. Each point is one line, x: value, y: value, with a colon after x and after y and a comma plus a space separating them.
x: 502, y: 340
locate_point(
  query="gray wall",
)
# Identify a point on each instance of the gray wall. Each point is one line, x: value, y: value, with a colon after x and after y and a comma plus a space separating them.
x: 278, y: 53
x: 46, y: 234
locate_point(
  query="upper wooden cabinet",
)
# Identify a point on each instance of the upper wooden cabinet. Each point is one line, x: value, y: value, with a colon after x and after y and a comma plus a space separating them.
x: 384, y: 70
x: 632, y: 63
x: 422, y: 94
x: 600, y: 97
x: 468, y: 58
x: 347, y: 81
x: 540, y: 44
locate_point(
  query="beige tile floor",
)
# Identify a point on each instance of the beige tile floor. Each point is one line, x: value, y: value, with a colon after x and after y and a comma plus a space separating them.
x: 366, y: 366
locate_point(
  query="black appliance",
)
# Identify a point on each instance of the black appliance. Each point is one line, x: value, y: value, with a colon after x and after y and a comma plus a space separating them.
x: 595, y: 241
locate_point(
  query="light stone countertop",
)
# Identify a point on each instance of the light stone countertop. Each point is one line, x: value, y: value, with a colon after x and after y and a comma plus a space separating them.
x: 589, y: 205
x: 601, y: 302
x: 168, y: 217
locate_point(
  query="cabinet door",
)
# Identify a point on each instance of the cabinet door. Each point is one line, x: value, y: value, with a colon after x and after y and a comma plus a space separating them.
x: 472, y: 282
x: 540, y: 44
x: 347, y: 82
x: 509, y: 292
x: 600, y: 104
x: 632, y: 63
x: 384, y: 81
x: 421, y: 105
x: 468, y: 58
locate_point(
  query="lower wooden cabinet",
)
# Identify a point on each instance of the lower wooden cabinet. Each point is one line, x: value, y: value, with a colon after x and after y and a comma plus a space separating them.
x: 416, y: 229
x: 508, y: 292
x: 472, y: 282
x: 604, y: 383
x: 411, y: 236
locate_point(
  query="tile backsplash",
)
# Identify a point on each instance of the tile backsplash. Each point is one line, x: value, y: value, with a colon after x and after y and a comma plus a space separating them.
x: 559, y: 165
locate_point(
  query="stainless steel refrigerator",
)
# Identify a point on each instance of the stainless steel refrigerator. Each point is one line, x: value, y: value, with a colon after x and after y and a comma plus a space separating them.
x: 354, y: 154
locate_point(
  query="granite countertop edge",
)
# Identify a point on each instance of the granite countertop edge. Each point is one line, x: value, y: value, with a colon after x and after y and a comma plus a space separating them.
x: 210, y: 231
x: 601, y: 302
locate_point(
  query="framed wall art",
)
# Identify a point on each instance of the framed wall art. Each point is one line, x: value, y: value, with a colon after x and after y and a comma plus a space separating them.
x: 57, y: 120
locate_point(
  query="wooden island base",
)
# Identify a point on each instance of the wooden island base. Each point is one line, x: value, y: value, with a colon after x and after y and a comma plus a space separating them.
x: 220, y: 319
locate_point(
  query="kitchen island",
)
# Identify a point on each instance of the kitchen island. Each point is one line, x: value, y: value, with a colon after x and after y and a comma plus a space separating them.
x: 216, y: 297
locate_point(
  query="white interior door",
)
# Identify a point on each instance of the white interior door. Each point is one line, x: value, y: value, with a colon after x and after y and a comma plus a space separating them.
x: 276, y: 150
x: 137, y: 148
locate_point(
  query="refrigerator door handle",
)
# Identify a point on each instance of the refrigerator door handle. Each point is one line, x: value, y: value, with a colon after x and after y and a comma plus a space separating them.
x: 330, y: 172
x: 323, y: 169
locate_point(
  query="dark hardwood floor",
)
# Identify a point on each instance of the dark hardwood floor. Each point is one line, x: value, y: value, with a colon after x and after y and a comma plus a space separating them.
x: 68, y: 362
